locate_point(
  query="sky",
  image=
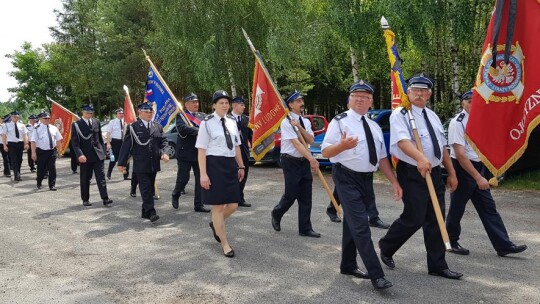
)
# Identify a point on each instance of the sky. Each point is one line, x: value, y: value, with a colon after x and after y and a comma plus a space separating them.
x: 23, y: 20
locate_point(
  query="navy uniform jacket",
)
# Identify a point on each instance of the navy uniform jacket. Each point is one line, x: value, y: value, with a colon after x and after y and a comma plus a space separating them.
x: 187, y: 136
x: 146, y: 157
x: 93, y: 148
x: 247, y: 135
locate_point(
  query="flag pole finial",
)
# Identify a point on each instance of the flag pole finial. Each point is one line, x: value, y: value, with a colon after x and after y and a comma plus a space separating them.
x: 384, y: 23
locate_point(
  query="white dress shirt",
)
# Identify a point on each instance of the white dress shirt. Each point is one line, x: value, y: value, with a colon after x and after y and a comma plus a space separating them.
x: 400, y: 129
x: 9, y: 130
x: 288, y: 134
x: 212, y: 137
x: 456, y: 135
x: 115, y: 129
x: 40, y: 137
x: 357, y: 158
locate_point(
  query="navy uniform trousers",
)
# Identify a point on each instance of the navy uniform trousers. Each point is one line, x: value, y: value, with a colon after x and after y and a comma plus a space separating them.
x: 182, y: 178
x: 15, y: 151
x: 87, y: 169
x: 355, y: 190
x: 298, y: 186
x: 417, y: 213
x: 5, y: 159
x: 146, y: 187
x: 371, y: 206
x: 46, y: 162
x: 483, y: 203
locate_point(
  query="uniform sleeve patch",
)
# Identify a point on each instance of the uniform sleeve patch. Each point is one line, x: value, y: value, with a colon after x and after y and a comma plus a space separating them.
x: 403, y: 111
x: 208, y: 117
x: 460, y: 117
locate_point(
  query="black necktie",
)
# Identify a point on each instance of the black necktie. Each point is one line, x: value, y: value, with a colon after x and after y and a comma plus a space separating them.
x: 370, y: 142
x: 16, y: 130
x: 436, y: 148
x: 90, y: 124
x: 302, y: 122
x: 227, y: 134
x: 50, y: 138
x: 121, y: 125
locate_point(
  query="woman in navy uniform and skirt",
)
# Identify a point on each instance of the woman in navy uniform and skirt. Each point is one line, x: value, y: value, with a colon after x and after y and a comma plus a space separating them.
x: 221, y: 166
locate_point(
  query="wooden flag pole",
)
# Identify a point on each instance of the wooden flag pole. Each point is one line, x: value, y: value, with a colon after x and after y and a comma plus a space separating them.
x: 300, y: 137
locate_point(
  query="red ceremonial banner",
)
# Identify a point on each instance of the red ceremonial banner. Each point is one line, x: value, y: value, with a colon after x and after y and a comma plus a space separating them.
x: 129, y: 112
x: 62, y: 118
x: 396, y: 95
x: 267, y: 111
x: 506, y: 99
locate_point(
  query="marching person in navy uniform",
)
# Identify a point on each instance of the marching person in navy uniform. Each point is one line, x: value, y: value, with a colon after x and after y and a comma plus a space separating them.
x: 5, y: 156
x: 145, y: 142
x: 89, y: 147
x: 115, y: 133
x: 246, y: 135
x: 186, y: 153
x: 221, y: 165
x: 473, y: 185
x: 355, y: 144
x: 371, y: 206
x: 45, y: 142
x: 15, y: 140
x: 32, y: 123
x: 297, y: 163
x: 413, y: 165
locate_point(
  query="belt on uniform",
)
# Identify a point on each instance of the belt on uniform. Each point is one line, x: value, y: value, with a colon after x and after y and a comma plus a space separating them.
x: 44, y: 149
x: 409, y: 166
x: 364, y: 174
x: 292, y: 157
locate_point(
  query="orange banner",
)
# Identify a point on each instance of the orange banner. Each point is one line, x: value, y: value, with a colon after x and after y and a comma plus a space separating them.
x: 62, y: 118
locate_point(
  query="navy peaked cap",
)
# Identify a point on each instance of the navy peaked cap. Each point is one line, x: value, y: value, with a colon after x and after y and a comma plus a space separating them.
x: 220, y: 94
x: 191, y: 97
x: 238, y: 99
x: 14, y: 113
x: 293, y: 96
x: 466, y: 95
x: 33, y: 116
x: 145, y: 107
x: 420, y: 81
x: 44, y: 115
x: 119, y: 110
x: 87, y: 108
x: 362, y: 86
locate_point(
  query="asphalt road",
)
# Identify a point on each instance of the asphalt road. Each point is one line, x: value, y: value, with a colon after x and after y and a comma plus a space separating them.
x: 54, y: 250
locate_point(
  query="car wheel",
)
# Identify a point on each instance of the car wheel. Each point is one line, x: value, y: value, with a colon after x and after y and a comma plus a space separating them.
x: 172, y: 150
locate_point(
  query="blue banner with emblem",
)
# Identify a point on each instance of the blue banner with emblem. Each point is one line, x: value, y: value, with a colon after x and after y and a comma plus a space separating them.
x: 162, y: 100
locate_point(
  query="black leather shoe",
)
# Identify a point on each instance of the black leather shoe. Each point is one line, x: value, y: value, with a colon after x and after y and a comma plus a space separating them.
x: 32, y: 170
x: 512, y: 249
x: 86, y: 203
x: 211, y: 224
x: 457, y: 249
x: 39, y: 186
x: 275, y: 222
x: 127, y: 178
x: 381, y: 283
x: 132, y: 194
x: 18, y: 177
x: 107, y: 201
x: 447, y: 273
x: 378, y: 223
x: 154, y: 217
x: 388, y: 261
x: 108, y: 176
x: 333, y: 217
x: 310, y: 233
x: 244, y: 204
x: 356, y: 273
x: 175, y: 202
x: 183, y: 192
x: 229, y: 254
x: 53, y: 188
x: 73, y: 172
x: 7, y: 175
x: 202, y: 209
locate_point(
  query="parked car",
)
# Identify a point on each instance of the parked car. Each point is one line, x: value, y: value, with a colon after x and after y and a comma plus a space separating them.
x: 172, y: 136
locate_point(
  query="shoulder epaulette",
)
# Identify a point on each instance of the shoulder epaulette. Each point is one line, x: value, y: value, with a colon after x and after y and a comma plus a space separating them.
x: 208, y: 117
x: 230, y: 116
x: 403, y: 111
x: 340, y: 116
x: 460, y: 117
